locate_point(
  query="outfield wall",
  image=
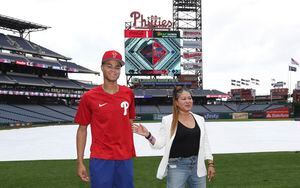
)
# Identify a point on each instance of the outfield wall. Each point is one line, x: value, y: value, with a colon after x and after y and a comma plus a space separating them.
x: 271, y: 114
x: 58, y: 142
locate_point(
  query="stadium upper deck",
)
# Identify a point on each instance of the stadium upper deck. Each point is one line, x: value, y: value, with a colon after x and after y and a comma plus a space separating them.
x: 34, y: 83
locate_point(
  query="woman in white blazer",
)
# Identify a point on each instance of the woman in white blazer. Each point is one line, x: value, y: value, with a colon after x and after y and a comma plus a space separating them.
x: 183, y: 134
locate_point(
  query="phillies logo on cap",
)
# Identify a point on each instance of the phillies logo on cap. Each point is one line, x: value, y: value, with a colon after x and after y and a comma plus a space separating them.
x: 112, y: 55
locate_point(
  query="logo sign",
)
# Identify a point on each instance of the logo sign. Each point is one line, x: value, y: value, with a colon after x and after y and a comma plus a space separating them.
x: 192, y: 55
x: 217, y: 96
x: 191, y: 44
x: 211, y: 116
x: 239, y: 115
x: 166, y: 34
x: 187, y: 78
x: 21, y: 62
x: 4, y: 60
x: 153, y: 21
x: 191, y: 66
x: 191, y: 34
x: 278, y: 113
x: 138, y: 33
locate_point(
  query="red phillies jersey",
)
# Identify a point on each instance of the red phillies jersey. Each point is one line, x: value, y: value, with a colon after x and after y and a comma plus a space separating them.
x: 109, y: 116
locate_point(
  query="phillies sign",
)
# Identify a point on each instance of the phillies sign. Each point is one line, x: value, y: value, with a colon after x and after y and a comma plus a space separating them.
x: 153, y: 21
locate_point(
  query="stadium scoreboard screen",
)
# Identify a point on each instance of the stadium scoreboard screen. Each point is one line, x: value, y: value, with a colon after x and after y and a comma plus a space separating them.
x: 150, y: 52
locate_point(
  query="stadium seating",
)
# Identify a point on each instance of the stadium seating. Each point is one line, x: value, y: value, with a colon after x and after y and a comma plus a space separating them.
x: 256, y: 107
x: 4, y: 120
x: 139, y: 93
x: 73, y: 66
x: 62, y: 109
x: 52, y: 114
x: 13, y: 57
x: 274, y: 106
x: 5, y: 79
x: 241, y: 107
x: 218, y: 108
x: 45, y: 51
x: 199, y: 109
x: 84, y: 85
x: 4, y: 42
x: 48, y: 63
x: 232, y: 106
x: 23, y: 44
x: 14, y: 109
x: 149, y: 109
x: 156, y: 92
x: 26, y: 79
x: 200, y: 93
x: 62, y: 83
x: 165, y: 109
x: 138, y: 109
x: 19, y: 117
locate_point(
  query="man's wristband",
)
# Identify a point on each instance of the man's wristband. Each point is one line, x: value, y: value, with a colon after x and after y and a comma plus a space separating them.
x: 149, y: 136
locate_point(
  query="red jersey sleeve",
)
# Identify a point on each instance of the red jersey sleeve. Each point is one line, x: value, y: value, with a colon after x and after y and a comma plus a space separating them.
x: 83, y: 115
x: 132, y: 106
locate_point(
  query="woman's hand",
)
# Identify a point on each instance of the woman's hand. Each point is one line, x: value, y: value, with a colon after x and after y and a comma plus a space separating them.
x: 211, y: 172
x: 140, y: 129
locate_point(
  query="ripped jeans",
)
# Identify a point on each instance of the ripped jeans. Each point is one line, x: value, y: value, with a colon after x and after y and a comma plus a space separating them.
x: 182, y: 171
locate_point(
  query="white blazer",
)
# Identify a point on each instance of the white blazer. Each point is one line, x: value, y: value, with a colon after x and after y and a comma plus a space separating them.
x: 163, y: 139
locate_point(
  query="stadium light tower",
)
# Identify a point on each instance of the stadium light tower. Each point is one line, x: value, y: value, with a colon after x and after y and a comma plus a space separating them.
x: 187, y: 19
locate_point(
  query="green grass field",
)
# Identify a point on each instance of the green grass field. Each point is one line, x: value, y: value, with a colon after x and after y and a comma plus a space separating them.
x: 270, y: 170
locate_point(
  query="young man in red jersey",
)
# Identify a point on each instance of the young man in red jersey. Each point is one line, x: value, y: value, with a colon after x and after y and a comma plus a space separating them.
x: 109, y: 109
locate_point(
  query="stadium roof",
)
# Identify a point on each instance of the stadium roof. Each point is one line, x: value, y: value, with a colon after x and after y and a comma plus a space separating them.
x: 14, y: 24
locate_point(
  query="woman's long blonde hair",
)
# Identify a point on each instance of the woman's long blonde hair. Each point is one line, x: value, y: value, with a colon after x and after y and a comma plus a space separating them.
x: 176, y: 93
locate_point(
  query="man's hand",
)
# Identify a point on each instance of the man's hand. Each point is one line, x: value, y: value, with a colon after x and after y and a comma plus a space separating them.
x: 82, y: 173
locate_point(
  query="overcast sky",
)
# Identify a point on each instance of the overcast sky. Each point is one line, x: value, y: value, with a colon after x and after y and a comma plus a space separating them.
x: 241, y: 38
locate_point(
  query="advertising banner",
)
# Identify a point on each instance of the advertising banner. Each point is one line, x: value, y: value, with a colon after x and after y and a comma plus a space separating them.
x: 191, y: 66
x: 192, y: 55
x: 187, y: 78
x: 166, y: 34
x: 191, y: 44
x: 211, y: 116
x: 242, y: 115
x: 217, y: 96
x: 191, y: 33
x: 2, y: 60
x: 138, y: 33
x: 278, y: 113
x: 257, y: 115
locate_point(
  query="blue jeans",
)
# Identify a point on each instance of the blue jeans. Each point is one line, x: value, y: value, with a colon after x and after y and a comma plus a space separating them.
x: 182, y: 171
x: 111, y: 173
